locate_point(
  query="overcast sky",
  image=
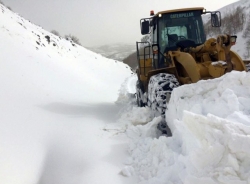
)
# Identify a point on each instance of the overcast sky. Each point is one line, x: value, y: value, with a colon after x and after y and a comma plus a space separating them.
x: 99, y: 22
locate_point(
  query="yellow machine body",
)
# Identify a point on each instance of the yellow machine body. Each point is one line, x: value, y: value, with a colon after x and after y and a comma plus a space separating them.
x: 209, y: 60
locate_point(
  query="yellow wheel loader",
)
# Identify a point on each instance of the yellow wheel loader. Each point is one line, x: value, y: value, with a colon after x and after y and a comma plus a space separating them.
x: 175, y: 52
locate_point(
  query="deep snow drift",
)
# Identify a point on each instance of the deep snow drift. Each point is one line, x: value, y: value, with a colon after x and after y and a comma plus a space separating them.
x: 210, y: 122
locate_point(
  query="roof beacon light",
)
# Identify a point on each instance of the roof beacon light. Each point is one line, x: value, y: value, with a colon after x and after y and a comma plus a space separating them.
x: 152, y: 13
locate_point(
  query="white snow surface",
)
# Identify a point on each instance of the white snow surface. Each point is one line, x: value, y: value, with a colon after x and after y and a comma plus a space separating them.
x: 241, y: 46
x: 55, y: 103
x: 68, y: 116
x: 210, y: 122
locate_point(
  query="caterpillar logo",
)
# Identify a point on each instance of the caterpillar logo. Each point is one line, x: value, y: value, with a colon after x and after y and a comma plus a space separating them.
x: 181, y: 15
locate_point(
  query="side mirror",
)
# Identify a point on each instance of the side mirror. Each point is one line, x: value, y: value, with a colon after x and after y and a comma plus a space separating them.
x: 215, y: 19
x: 144, y: 26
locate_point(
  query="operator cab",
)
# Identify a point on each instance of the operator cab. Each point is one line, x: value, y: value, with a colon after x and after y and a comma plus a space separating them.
x: 174, y: 29
x: 184, y: 26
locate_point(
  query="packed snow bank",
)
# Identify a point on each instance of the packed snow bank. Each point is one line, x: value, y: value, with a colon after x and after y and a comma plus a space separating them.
x: 210, y: 121
x: 130, y: 113
x: 226, y: 97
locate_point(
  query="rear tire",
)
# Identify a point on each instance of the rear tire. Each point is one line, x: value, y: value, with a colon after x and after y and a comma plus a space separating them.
x: 248, y: 67
x: 159, y: 90
x: 139, y: 95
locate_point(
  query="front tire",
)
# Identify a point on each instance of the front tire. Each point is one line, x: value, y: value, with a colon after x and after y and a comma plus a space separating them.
x: 160, y: 88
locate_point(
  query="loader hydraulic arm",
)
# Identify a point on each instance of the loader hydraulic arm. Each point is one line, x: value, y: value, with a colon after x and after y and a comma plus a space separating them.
x: 223, y: 46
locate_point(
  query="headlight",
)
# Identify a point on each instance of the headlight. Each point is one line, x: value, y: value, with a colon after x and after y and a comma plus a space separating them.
x: 155, y: 48
x: 233, y: 39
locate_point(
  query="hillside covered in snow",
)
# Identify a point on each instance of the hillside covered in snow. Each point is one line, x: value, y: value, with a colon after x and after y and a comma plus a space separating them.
x: 56, y: 99
x: 117, y: 51
x: 235, y: 20
x: 68, y: 116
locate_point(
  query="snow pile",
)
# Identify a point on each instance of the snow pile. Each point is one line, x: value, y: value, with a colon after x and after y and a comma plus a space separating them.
x: 127, y: 90
x: 130, y: 113
x: 224, y: 97
x: 210, y: 122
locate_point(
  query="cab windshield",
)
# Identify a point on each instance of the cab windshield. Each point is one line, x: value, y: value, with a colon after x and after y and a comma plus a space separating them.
x: 173, y: 27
